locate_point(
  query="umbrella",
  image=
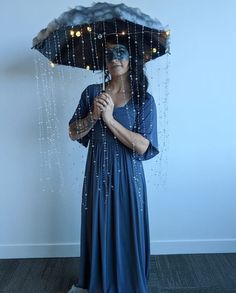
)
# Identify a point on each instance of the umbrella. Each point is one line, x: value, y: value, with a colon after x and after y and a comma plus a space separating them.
x: 78, y: 37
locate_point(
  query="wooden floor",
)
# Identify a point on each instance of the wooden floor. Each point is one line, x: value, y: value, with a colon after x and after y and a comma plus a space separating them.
x: 197, y: 273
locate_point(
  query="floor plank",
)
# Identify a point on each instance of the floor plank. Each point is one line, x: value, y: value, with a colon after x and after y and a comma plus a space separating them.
x: 185, y: 273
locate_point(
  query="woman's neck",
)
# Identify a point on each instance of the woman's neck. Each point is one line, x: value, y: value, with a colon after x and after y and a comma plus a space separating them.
x: 117, y: 85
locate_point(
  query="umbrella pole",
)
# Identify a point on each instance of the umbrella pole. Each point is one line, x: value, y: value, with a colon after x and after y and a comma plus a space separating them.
x: 103, y: 80
x: 103, y: 69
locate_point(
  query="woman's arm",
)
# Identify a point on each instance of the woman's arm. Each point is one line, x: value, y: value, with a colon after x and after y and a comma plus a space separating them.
x: 81, y: 127
x: 132, y: 140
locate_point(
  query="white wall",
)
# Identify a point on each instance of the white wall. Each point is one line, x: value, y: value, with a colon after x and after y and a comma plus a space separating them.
x: 194, y: 212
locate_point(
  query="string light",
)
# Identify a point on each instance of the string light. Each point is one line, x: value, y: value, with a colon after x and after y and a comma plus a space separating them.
x: 78, y: 34
x: 167, y: 32
x: 73, y: 50
x: 72, y: 33
x: 52, y: 64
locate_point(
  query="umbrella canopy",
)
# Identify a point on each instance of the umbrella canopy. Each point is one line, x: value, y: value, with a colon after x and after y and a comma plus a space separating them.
x: 78, y: 37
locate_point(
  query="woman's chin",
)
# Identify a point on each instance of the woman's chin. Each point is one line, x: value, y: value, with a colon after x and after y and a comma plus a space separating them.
x: 118, y: 72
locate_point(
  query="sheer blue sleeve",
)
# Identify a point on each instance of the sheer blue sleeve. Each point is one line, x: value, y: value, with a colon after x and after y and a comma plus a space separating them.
x: 81, y: 112
x: 146, y: 125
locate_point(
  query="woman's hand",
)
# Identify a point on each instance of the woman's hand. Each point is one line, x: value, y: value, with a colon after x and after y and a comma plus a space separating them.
x: 106, y: 105
x: 96, y: 108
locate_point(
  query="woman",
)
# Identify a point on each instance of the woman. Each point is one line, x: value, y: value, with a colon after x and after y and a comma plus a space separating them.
x: 120, y: 124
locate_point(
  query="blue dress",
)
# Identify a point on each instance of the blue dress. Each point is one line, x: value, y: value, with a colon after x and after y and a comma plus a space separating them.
x: 114, y: 240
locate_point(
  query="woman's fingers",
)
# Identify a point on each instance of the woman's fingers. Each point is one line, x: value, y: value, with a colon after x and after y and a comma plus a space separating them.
x: 104, y: 99
x: 101, y: 104
x: 110, y: 99
x: 96, y: 104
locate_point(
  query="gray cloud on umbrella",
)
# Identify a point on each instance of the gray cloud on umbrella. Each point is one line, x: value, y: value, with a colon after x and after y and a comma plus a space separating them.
x: 97, y: 12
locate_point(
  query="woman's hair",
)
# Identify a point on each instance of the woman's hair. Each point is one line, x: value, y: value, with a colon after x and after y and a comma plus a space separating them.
x: 138, y: 79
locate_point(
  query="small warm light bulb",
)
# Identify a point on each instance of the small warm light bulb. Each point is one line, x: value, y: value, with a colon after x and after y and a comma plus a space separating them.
x: 89, y: 29
x: 78, y: 34
x: 167, y: 33
x: 154, y: 50
x: 72, y: 33
x: 123, y: 33
x: 52, y: 64
x: 87, y: 67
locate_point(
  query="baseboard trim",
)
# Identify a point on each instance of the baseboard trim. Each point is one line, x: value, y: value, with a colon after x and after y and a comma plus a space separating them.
x: 158, y: 247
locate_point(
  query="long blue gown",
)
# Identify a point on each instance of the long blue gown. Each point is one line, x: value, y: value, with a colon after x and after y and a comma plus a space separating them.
x: 115, y: 241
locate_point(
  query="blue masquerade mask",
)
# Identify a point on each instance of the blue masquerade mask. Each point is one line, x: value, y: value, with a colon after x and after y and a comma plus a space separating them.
x: 119, y: 52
